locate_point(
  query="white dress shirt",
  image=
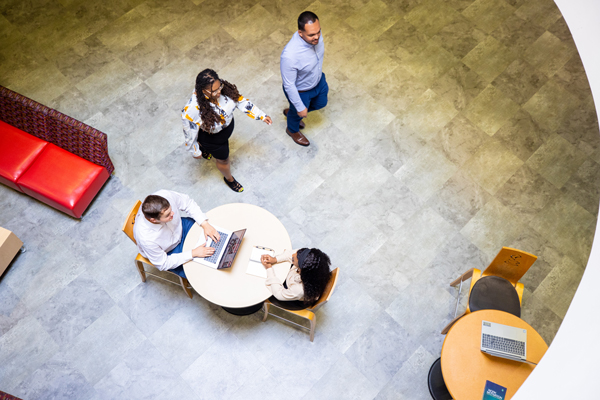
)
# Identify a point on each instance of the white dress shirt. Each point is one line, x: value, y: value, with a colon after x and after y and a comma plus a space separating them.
x: 155, y: 240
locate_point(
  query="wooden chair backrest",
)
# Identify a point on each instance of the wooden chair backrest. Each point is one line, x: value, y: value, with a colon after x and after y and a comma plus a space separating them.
x: 510, y: 264
x: 130, y: 221
x: 327, y: 292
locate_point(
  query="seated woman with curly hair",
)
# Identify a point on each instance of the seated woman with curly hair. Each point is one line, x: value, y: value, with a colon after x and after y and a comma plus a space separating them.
x: 305, y: 282
x: 208, y: 121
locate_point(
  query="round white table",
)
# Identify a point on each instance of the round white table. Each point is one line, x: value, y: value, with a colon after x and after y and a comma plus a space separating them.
x: 232, y: 288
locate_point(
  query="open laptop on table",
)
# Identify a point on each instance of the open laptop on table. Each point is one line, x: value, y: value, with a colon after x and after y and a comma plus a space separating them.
x: 504, y: 341
x: 225, y: 249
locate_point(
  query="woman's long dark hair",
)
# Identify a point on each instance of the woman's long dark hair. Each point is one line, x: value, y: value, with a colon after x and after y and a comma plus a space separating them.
x: 205, y: 80
x: 315, y: 275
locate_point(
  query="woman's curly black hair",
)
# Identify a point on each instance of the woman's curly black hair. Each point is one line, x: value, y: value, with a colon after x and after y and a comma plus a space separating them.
x: 204, y: 80
x: 315, y: 275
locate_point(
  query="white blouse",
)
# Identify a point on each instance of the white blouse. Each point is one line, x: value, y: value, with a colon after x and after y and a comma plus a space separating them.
x: 190, y: 116
x: 295, y: 288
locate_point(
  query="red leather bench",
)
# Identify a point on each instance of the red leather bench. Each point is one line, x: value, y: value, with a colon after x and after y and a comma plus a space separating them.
x: 48, y: 173
x: 17, y: 152
x: 50, y: 156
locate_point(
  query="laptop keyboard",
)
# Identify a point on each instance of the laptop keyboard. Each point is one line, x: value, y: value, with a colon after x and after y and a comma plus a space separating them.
x: 217, y: 246
x: 503, y: 344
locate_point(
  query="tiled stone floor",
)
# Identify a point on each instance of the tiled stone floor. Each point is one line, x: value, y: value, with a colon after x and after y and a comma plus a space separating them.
x: 454, y: 128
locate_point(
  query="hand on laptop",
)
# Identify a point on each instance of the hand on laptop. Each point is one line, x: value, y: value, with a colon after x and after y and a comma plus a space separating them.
x: 203, y: 251
x: 209, y: 231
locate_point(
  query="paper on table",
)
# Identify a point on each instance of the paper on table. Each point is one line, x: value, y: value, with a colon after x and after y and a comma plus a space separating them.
x: 255, y: 267
x: 257, y: 252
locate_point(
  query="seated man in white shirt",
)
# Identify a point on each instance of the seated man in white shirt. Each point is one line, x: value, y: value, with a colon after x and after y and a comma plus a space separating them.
x: 160, y: 230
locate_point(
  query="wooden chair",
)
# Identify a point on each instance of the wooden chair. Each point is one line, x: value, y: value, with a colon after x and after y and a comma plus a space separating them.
x: 509, y: 266
x: 141, y: 260
x: 307, y: 313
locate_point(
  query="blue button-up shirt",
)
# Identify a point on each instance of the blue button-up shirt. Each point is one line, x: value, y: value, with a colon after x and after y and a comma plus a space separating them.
x: 301, y: 67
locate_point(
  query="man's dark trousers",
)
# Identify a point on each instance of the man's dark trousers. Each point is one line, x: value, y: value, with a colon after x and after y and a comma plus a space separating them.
x: 313, y: 99
x: 186, y: 225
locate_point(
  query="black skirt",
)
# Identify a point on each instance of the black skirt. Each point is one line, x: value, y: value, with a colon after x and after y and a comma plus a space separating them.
x: 216, y: 144
x: 288, y: 305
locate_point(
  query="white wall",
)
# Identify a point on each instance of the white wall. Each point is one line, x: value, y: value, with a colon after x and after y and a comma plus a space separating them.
x: 569, y: 370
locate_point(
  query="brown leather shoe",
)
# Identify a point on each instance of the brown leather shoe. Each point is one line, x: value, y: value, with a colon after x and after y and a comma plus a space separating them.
x: 302, y: 124
x: 298, y: 137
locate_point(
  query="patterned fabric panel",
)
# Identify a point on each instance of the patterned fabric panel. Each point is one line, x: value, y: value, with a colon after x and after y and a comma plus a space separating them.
x: 24, y: 114
x: 55, y: 127
x: 6, y: 396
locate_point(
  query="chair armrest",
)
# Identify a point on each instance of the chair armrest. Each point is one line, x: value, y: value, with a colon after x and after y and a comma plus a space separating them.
x: 463, y: 277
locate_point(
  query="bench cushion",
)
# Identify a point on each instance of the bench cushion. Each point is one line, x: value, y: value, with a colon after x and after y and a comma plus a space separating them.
x: 63, y: 180
x: 18, y: 150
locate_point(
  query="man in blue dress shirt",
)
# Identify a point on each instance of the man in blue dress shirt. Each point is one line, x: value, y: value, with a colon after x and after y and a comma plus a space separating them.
x: 304, y: 83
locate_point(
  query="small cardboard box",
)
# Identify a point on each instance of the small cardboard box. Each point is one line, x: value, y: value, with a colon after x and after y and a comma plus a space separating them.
x: 9, y: 247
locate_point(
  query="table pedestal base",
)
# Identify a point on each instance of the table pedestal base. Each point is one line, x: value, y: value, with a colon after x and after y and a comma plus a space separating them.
x: 243, y: 310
